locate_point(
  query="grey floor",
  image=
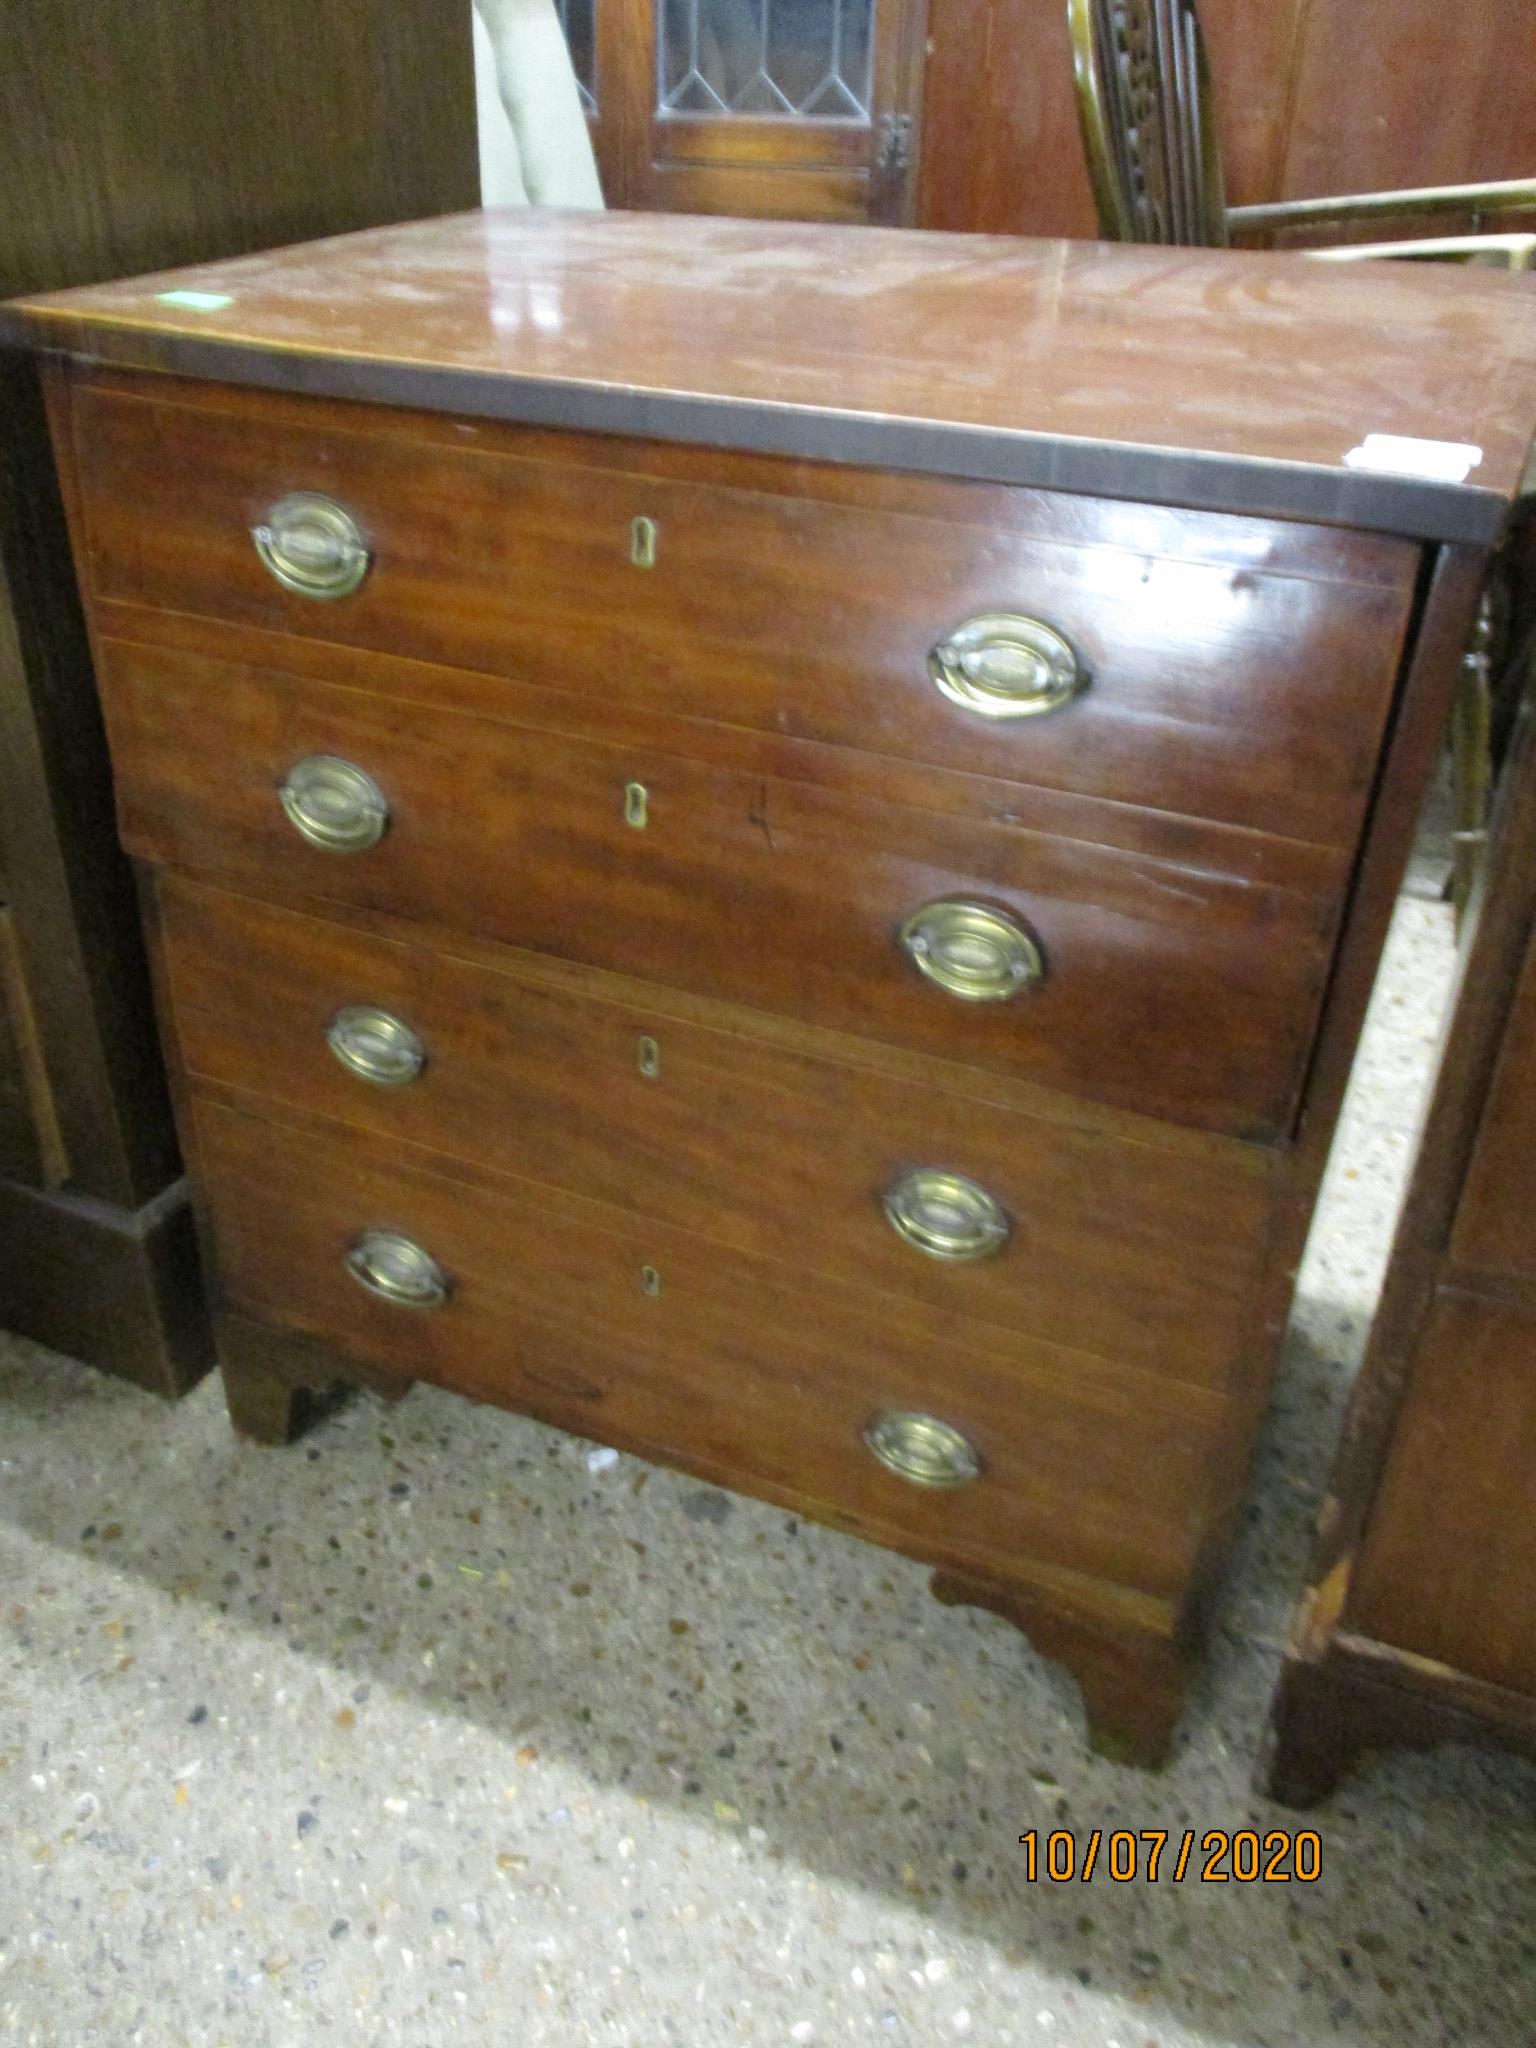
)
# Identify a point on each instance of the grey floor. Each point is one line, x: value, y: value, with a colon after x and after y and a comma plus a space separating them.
x: 445, y: 1727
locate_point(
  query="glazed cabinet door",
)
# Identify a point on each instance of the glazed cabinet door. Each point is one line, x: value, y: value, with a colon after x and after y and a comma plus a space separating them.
x: 791, y: 109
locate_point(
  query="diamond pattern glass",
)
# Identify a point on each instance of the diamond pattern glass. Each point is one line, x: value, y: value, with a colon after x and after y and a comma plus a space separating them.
x: 793, y: 59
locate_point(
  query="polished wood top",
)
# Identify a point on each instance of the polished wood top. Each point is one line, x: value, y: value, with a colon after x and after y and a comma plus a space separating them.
x: 1235, y: 381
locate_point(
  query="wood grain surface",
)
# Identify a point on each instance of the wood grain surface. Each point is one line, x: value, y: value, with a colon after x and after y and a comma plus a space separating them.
x: 1117, y: 1246
x: 737, y: 1365
x: 1239, y: 670
x: 1178, y: 992
x: 1444, y: 1571
x: 1117, y: 361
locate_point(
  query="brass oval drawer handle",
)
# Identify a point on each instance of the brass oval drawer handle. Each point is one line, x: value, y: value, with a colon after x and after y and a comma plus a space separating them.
x: 1004, y: 665
x: 946, y: 1215
x: 313, y: 546
x: 972, y: 952
x: 334, y: 805
x: 375, y: 1046
x: 397, y: 1270
x: 922, y: 1449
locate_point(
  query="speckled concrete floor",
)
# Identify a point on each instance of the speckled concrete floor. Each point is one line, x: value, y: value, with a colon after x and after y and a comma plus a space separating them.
x: 444, y: 1728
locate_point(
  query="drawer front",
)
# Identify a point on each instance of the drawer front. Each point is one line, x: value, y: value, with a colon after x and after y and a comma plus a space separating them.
x: 1238, y: 671
x: 1447, y: 1565
x: 1175, y: 991
x: 761, y: 1376
x: 1114, y: 1247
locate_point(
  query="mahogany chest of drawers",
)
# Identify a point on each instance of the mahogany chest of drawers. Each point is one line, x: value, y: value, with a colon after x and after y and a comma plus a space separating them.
x: 769, y: 843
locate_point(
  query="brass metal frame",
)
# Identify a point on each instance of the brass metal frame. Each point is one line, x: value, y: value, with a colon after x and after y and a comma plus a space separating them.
x: 1504, y: 195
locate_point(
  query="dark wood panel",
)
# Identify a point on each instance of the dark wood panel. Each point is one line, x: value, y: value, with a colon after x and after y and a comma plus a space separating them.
x: 137, y: 132
x: 1394, y: 93
x: 749, y: 1368
x: 19, y: 1153
x: 1079, y: 365
x: 117, y: 1287
x: 31, y: 1142
x: 1424, y: 1551
x: 1458, y: 1584
x: 1493, y: 1229
x: 1175, y: 991
x: 206, y: 130
x: 1001, y: 153
x: 75, y: 928
x: 1116, y: 1247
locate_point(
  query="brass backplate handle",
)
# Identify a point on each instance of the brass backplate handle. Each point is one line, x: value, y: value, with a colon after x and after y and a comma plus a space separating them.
x: 1004, y: 665
x: 376, y: 1046
x: 972, y: 952
x: 946, y: 1215
x: 922, y: 1449
x: 313, y: 546
x: 398, y: 1270
x: 334, y: 804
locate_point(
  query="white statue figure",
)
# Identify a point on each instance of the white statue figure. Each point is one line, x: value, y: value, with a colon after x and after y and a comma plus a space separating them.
x: 538, y: 90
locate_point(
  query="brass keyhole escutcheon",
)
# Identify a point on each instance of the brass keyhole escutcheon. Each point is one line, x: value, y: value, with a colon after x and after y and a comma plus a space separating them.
x: 648, y: 1057
x: 636, y: 805
x: 642, y: 542
x: 650, y: 1281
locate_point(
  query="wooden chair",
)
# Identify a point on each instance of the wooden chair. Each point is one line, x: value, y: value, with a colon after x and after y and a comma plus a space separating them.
x: 1148, y: 116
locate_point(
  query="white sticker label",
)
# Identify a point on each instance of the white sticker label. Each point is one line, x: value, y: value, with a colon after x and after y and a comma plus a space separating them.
x: 196, y: 302
x: 1448, y: 462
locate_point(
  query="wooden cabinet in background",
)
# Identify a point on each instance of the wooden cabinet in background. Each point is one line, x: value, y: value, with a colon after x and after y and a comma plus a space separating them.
x: 1420, y: 1622
x: 961, y: 114
x: 136, y: 133
x: 804, y: 109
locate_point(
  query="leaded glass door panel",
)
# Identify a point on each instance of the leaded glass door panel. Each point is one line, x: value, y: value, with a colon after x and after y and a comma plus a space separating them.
x: 786, y: 59
x: 801, y: 109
